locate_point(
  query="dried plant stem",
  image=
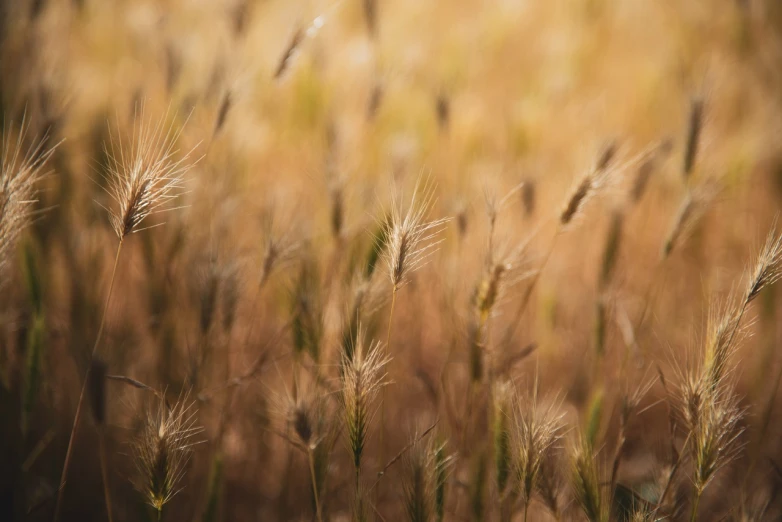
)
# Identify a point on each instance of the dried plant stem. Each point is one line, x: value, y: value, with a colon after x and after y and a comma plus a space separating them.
x: 383, y: 396
x: 77, y: 417
x: 695, y: 502
x: 104, y: 471
x: 311, y: 458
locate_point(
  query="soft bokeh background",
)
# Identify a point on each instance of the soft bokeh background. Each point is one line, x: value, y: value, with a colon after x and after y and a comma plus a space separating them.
x: 477, y: 97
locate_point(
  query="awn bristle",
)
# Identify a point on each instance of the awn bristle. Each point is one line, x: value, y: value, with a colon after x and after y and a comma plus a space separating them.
x: 586, y: 482
x: 410, y: 236
x: 21, y: 170
x: 163, y: 450
x: 144, y: 177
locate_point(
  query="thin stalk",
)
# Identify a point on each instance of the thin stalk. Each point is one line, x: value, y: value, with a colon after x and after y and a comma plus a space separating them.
x: 694, y: 514
x: 314, y: 484
x: 526, y: 508
x: 77, y: 417
x: 383, y: 392
x: 104, y: 471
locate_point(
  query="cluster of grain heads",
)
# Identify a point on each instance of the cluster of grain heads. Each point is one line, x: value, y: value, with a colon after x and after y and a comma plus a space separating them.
x: 163, y: 450
x: 363, y: 376
x: 585, y: 478
x: 425, y: 481
x: 711, y: 417
x: 538, y: 428
x: 22, y: 168
x: 143, y: 178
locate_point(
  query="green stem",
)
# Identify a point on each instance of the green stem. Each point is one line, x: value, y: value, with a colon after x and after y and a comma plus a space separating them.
x: 77, y: 417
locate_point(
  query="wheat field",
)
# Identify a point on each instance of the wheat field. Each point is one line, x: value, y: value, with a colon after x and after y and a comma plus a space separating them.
x: 337, y: 260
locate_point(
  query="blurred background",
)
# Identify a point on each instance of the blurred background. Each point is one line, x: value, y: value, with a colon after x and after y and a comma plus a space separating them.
x: 308, y: 121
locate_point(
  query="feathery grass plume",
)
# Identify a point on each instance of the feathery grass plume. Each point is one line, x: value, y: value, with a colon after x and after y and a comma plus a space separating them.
x: 370, y: 15
x: 411, y: 239
x: 222, y: 112
x: 586, y: 481
x: 375, y: 99
x: 537, y: 430
x: 308, y: 417
x: 724, y: 334
x: 501, y: 433
x: 595, y: 179
x: 528, y: 197
x: 418, y: 483
x: 551, y: 482
x: 628, y: 405
x: 443, y: 109
x: 145, y: 175
x: 712, y: 416
x: 442, y: 466
x: 647, y: 168
x: 307, y: 316
x: 363, y: 377
x: 21, y: 171
x: 768, y: 266
x: 601, y: 323
x: 336, y: 193
x: 692, y: 209
x: 163, y: 450
x: 280, y: 246
x: 504, y: 268
x: 693, y: 135
x: 290, y: 51
x: 611, y: 248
